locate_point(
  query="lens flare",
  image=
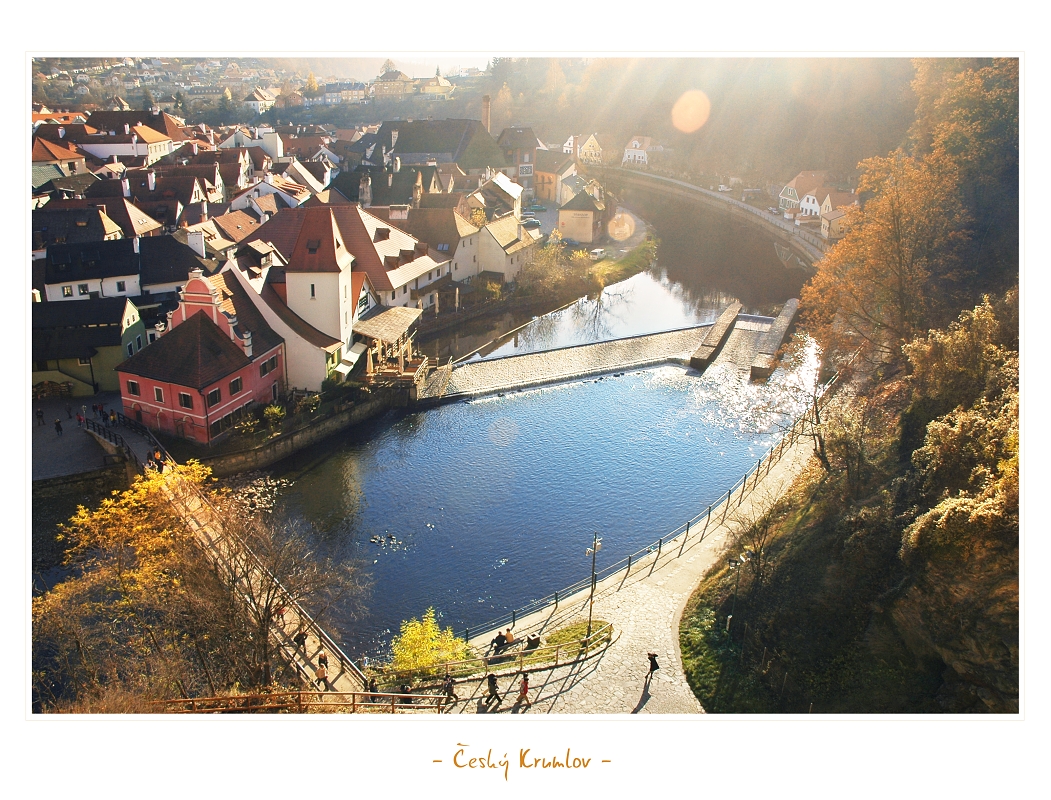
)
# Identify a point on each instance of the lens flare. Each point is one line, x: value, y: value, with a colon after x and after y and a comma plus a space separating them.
x: 691, y: 111
x: 621, y: 227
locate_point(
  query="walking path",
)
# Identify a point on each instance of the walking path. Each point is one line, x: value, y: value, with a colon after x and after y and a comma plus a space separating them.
x: 645, y: 608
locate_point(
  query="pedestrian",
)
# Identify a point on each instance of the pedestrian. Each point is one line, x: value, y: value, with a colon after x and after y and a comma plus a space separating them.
x: 300, y: 640
x: 84, y: 410
x: 113, y: 417
x: 654, y: 666
x: 321, y: 678
x: 40, y: 416
x: 523, y: 691
x: 373, y: 691
x: 448, y: 687
x: 80, y: 420
x: 406, y: 690
x: 69, y: 411
x: 58, y: 427
x: 322, y: 659
x: 494, y: 690
x: 280, y: 613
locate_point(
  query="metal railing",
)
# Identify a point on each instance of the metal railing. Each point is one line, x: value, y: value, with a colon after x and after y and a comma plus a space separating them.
x: 114, y: 438
x: 670, y: 543
x: 307, y: 622
x: 303, y: 702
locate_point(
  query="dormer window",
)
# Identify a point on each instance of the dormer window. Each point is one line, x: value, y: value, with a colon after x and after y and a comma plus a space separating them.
x: 313, y: 245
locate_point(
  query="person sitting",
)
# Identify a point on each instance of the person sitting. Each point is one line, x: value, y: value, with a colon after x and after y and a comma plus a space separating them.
x: 499, y: 642
x: 508, y: 637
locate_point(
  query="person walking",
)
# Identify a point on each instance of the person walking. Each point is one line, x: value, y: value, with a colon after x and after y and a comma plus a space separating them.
x: 493, y: 690
x: 279, y: 614
x: 80, y: 420
x: 58, y: 427
x: 40, y: 416
x: 69, y: 410
x: 113, y: 417
x: 84, y: 410
x: 654, y: 666
x: 321, y: 677
x: 322, y: 658
x: 523, y: 691
x: 300, y: 640
x: 448, y: 687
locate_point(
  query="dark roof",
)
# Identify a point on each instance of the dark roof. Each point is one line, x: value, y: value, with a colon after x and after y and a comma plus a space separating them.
x: 464, y: 141
x: 161, y: 259
x: 388, y: 187
x: 582, y: 201
x: 517, y: 138
x: 235, y: 300
x: 552, y: 160
x: 61, y: 330
x: 195, y: 354
x: 71, y: 226
x: 71, y: 184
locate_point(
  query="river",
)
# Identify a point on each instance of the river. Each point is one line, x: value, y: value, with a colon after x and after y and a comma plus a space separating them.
x: 477, y: 508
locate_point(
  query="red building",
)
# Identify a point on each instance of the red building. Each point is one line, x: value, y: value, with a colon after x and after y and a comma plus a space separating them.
x: 217, y: 359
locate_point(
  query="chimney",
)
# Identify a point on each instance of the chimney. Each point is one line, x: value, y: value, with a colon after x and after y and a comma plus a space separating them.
x: 151, y: 180
x: 397, y: 163
x: 125, y: 186
x: 196, y: 240
x: 61, y: 133
x: 486, y: 107
x: 159, y: 327
x: 113, y: 158
x: 127, y: 129
x: 135, y: 244
x: 390, y: 179
x: 246, y: 340
x: 193, y: 145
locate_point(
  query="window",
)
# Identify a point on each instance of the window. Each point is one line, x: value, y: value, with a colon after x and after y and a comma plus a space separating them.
x: 311, y: 291
x: 345, y: 318
x: 185, y: 400
x: 213, y: 397
x: 67, y: 291
x: 344, y: 292
x: 405, y: 289
x: 133, y: 388
x: 121, y: 286
x: 131, y: 349
x: 272, y: 363
x: 392, y: 294
x: 82, y: 289
x: 235, y: 386
x: 158, y: 394
x: 138, y: 342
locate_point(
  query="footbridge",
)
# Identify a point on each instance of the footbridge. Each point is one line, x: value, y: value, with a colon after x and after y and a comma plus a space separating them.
x: 746, y: 341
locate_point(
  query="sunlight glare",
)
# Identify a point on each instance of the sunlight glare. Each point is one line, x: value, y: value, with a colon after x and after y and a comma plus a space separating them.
x: 691, y: 111
x: 621, y: 227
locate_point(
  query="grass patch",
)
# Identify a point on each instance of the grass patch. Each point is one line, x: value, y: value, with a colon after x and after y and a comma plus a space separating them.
x: 610, y: 271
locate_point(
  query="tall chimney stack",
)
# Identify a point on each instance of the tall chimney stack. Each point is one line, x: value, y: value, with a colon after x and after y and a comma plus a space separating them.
x: 486, y: 112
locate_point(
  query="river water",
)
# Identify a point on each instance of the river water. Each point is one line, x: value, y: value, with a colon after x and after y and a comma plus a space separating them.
x: 477, y: 508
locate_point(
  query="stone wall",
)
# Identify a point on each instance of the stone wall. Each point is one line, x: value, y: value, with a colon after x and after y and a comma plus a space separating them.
x: 290, y: 443
x: 102, y: 481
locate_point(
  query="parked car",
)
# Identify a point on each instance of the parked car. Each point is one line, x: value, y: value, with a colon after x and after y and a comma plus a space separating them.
x: 597, y: 254
x: 531, y: 223
x: 570, y: 243
x: 537, y: 208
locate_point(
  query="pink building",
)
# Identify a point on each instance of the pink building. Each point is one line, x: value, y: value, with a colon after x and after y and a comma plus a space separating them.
x: 217, y: 359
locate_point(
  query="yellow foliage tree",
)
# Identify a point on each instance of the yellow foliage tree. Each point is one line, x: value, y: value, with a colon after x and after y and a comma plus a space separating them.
x: 423, y: 644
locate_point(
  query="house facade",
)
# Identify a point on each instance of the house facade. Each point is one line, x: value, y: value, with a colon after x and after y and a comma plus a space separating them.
x: 217, y: 359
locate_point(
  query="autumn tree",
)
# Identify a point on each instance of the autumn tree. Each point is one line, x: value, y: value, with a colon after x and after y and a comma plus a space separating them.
x: 150, y: 613
x: 311, y: 89
x: 423, y: 644
x: 894, y: 272
x: 388, y: 66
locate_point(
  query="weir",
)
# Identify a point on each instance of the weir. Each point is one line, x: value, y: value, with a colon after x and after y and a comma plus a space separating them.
x: 748, y: 341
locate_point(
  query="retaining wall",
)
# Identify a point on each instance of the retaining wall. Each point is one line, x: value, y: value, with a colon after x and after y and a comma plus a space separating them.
x: 291, y: 443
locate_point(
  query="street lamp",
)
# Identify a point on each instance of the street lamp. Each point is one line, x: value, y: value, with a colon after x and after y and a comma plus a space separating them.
x: 591, y: 551
x: 736, y: 564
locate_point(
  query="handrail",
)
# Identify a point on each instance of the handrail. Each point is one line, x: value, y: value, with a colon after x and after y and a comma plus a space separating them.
x: 386, y: 702
x: 822, y: 393
x: 311, y: 624
x: 112, y: 437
